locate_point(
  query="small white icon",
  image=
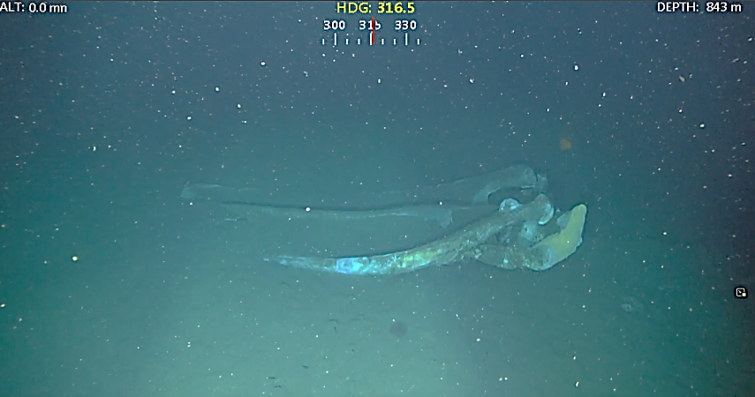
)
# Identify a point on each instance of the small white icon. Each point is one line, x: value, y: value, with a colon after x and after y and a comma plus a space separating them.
x: 740, y: 292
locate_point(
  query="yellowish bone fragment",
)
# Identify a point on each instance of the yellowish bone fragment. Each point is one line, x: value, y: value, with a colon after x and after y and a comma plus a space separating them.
x: 557, y: 247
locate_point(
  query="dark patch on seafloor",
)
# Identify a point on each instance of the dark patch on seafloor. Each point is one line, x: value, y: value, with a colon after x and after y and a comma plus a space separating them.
x: 399, y: 328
